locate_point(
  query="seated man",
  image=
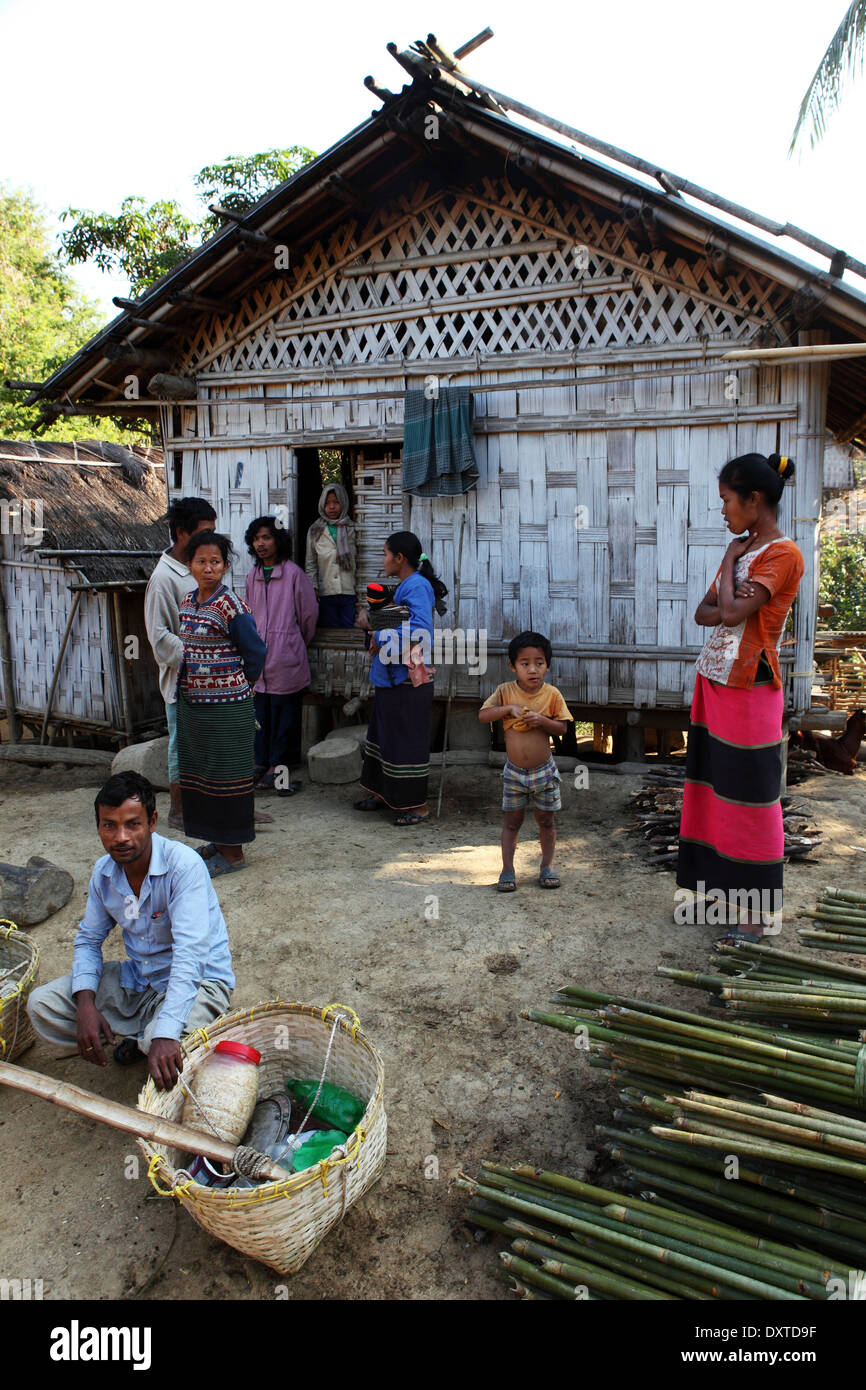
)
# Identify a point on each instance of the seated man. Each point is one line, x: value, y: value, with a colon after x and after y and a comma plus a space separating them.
x: 178, y: 975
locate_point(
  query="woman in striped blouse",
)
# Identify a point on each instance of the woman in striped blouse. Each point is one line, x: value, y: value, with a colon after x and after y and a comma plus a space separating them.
x: 223, y: 656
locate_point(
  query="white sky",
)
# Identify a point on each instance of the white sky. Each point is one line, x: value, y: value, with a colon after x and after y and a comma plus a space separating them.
x: 102, y: 100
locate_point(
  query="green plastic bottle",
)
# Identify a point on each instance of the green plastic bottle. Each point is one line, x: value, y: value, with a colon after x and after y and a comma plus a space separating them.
x: 322, y: 1143
x: 335, y: 1106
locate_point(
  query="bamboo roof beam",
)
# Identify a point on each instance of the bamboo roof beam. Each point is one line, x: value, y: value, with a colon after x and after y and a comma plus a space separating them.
x: 671, y: 183
x: 471, y: 253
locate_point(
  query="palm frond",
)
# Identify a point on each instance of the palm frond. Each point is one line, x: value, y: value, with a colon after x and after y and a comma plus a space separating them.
x: 843, y: 60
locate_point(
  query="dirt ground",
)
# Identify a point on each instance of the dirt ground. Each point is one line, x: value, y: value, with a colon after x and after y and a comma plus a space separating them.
x: 333, y: 908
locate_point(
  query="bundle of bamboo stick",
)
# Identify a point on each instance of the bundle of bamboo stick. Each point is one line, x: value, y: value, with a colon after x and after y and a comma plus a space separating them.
x: 821, y: 1210
x: 653, y: 1042
x: 571, y: 1239
x: 839, y: 922
x: 782, y: 986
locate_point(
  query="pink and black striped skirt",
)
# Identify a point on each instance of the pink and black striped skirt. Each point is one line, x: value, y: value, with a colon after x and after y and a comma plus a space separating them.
x: 731, y: 836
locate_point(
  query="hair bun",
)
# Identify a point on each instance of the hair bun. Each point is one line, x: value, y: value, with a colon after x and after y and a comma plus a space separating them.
x: 783, y: 465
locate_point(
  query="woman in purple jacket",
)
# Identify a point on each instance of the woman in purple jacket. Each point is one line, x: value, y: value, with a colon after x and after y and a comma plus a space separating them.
x: 283, y: 603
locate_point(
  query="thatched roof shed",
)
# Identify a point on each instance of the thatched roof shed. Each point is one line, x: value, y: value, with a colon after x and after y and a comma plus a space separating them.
x: 96, y: 497
x: 81, y: 528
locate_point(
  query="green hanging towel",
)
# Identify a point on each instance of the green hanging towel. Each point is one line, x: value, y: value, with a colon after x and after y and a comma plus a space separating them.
x: 438, y: 444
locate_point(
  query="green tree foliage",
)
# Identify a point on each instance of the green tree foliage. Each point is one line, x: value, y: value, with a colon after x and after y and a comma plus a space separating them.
x: 44, y: 318
x: 843, y: 578
x: 842, y: 62
x: 144, y: 242
x: 241, y: 180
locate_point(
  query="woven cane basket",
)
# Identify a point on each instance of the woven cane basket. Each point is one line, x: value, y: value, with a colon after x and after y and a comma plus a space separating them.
x: 19, y: 966
x: 281, y: 1223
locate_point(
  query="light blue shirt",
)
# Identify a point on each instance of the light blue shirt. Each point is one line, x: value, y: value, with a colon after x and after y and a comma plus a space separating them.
x: 174, y: 932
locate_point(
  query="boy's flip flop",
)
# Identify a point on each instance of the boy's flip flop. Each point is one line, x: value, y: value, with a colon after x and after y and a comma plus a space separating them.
x: 218, y: 864
x: 507, y: 882
x: 548, y: 879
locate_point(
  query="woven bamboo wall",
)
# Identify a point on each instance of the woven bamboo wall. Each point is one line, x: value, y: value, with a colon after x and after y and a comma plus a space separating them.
x: 641, y: 457
x: 38, y: 602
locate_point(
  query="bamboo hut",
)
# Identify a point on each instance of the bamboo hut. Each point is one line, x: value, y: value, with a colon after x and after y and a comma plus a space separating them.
x: 81, y: 531
x: 591, y: 306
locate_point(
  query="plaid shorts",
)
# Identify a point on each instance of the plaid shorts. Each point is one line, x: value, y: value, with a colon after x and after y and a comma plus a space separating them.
x: 537, y: 787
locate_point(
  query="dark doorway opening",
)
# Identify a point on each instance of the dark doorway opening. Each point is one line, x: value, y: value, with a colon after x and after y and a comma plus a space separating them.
x: 316, y: 467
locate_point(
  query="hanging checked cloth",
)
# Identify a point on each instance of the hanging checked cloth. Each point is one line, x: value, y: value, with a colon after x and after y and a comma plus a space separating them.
x: 438, y: 447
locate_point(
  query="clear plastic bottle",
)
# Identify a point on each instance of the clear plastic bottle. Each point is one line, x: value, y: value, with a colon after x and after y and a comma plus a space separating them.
x: 225, y: 1086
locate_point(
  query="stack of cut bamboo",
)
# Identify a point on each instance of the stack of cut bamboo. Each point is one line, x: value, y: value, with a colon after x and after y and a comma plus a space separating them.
x: 572, y: 1240
x: 783, y: 987
x: 840, y: 922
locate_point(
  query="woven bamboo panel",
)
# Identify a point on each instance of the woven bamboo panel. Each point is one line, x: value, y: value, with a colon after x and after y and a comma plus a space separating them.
x: 38, y: 601
x: 699, y: 304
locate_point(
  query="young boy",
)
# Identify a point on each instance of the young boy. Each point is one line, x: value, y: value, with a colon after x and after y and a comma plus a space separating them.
x: 530, y: 712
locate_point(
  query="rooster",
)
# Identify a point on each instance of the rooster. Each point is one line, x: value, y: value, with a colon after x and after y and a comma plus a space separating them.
x: 839, y: 754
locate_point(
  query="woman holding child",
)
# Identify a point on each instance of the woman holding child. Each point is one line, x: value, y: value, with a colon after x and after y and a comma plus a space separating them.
x: 732, y: 841
x: 397, y: 751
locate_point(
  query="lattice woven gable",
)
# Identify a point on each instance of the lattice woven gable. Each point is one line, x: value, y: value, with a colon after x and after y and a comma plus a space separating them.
x: 342, y: 320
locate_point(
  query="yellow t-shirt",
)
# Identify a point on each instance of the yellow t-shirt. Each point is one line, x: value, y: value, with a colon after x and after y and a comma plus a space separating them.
x: 546, y: 701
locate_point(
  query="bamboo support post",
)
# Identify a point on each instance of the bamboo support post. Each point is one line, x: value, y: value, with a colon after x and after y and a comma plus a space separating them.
x: 8, y: 673
x: 121, y: 667
x: 56, y: 677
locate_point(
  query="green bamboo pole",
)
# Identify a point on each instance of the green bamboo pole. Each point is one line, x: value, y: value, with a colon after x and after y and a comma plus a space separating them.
x: 792, y: 1219
x: 530, y: 1275
x: 590, y: 1275
x: 785, y: 1153
x: 752, y: 1046
x: 591, y: 1232
x: 775, y: 1130
x: 703, y: 1290
x: 792, y: 1112
x: 698, y: 1187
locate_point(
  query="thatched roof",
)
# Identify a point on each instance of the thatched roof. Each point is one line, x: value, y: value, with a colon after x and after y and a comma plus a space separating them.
x: 94, y: 495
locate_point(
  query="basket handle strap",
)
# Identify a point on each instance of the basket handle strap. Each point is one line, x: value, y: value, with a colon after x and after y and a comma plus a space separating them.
x: 344, y: 1008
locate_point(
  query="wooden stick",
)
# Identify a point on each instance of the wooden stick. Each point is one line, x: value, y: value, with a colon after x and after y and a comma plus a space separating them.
x: 806, y: 352
x: 451, y: 668
x: 110, y: 1112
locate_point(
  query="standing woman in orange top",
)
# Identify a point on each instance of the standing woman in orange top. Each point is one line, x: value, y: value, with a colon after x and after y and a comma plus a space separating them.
x: 732, y: 842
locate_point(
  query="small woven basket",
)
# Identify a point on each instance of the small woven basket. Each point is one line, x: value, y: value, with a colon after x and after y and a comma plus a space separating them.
x: 281, y: 1223
x: 19, y: 966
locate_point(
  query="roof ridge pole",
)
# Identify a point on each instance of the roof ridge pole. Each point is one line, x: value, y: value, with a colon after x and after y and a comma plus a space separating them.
x: 671, y: 183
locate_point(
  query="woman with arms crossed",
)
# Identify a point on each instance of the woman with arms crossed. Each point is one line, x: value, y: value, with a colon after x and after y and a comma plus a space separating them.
x: 732, y: 842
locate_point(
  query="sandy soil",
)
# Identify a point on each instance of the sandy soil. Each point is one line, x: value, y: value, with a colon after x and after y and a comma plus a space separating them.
x: 333, y: 908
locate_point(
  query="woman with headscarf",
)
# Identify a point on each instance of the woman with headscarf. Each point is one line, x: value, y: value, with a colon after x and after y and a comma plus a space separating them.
x: 331, y: 558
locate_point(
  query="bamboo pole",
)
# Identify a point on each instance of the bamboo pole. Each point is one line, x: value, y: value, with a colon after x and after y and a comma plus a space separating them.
x: 56, y: 677
x: 451, y: 667
x: 8, y: 674
x: 121, y: 667
x: 110, y: 1112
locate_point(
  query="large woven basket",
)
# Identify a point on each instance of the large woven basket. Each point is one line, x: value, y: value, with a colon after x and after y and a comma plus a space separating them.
x: 281, y: 1223
x: 19, y: 966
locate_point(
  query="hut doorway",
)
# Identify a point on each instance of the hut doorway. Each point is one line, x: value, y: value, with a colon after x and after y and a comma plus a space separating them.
x: 373, y: 481
x: 316, y: 467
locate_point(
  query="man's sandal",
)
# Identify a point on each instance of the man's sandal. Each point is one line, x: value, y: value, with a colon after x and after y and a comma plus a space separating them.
x: 547, y: 878
x: 217, y: 864
x: 411, y: 818
x: 507, y: 882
